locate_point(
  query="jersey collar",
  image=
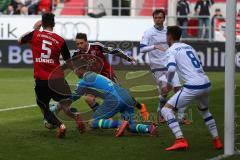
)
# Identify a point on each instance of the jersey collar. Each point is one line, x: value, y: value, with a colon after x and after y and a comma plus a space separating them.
x: 158, y: 28
x: 88, y: 48
x: 48, y: 31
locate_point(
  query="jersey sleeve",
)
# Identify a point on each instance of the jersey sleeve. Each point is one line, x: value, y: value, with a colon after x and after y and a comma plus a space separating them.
x: 79, y: 91
x: 65, y: 52
x: 145, y: 39
x: 171, y: 65
x: 26, y: 38
x: 118, y: 52
x: 144, y: 44
x: 171, y: 62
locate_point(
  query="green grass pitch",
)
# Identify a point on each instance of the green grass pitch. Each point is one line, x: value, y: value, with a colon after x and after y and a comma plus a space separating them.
x: 23, y: 136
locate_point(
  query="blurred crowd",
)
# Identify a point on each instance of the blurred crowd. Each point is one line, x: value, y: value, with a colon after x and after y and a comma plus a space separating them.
x: 203, y: 22
x: 26, y: 7
x: 200, y: 26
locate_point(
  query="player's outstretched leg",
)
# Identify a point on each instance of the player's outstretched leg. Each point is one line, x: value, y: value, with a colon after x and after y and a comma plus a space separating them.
x: 105, y: 123
x: 136, y: 128
x: 212, y: 127
x: 181, y: 142
x: 143, y: 128
x: 52, y: 119
x: 65, y: 106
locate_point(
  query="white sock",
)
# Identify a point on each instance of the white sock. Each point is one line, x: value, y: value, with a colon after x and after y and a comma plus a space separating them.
x: 210, y: 123
x: 172, y: 122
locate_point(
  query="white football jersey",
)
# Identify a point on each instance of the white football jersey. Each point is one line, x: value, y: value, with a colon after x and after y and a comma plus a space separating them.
x: 188, y: 65
x: 153, y: 36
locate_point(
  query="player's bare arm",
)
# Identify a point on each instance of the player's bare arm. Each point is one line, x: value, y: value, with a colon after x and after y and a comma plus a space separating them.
x: 25, y: 38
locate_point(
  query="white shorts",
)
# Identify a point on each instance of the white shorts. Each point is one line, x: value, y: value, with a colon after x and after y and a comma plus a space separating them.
x: 184, y: 96
x: 161, y: 77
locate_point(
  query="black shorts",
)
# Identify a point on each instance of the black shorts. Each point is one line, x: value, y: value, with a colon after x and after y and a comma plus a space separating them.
x: 57, y: 89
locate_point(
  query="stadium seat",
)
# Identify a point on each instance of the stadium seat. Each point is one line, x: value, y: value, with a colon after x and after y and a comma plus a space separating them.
x: 149, y: 4
x: 74, y: 7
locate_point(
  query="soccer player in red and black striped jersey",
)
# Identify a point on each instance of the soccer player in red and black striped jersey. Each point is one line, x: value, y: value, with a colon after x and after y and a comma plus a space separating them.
x: 50, y: 83
x: 99, y: 50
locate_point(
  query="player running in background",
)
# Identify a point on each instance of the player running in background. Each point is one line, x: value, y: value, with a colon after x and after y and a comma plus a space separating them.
x: 115, y: 100
x: 46, y: 49
x: 184, y: 60
x: 152, y: 41
x: 99, y: 50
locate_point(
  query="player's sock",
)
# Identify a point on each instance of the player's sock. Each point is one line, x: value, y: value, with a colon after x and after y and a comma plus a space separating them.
x: 105, y: 123
x: 210, y: 123
x: 172, y: 122
x: 139, y: 128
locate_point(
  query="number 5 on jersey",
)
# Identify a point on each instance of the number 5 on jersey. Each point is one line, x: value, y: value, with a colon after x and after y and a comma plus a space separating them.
x: 47, y: 49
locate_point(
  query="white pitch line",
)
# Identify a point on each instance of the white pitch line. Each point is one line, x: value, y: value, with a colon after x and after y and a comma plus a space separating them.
x: 16, y: 108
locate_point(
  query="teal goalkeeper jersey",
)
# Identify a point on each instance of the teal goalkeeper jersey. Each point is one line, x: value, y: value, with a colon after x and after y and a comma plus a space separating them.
x: 96, y: 84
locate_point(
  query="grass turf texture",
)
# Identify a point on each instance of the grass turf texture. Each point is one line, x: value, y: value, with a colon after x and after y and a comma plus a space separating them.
x: 22, y: 135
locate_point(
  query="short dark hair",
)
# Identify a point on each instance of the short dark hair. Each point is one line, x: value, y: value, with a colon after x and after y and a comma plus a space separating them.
x: 81, y: 36
x: 157, y: 11
x: 175, y: 32
x: 48, y: 20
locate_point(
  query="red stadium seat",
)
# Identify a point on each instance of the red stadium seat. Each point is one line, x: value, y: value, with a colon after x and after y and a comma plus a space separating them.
x: 74, y: 7
x: 149, y: 4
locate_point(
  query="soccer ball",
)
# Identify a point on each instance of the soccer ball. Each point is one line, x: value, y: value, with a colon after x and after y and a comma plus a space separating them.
x: 48, y: 125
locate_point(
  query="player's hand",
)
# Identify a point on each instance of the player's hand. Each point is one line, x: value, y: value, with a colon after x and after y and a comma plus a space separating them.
x: 37, y: 25
x: 158, y: 47
x: 133, y: 60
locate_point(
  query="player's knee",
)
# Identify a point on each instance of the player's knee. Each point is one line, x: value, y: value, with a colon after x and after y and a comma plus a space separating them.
x: 166, y: 109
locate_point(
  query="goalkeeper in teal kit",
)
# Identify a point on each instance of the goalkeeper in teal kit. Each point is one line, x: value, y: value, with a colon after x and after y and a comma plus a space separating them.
x: 116, y: 99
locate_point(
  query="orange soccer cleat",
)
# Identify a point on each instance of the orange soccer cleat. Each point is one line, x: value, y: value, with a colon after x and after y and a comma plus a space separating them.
x: 80, y: 125
x: 61, y: 131
x: 144, y: 112
x: 180, y: 144
x: 217, y: 143
x: 121, y: 129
